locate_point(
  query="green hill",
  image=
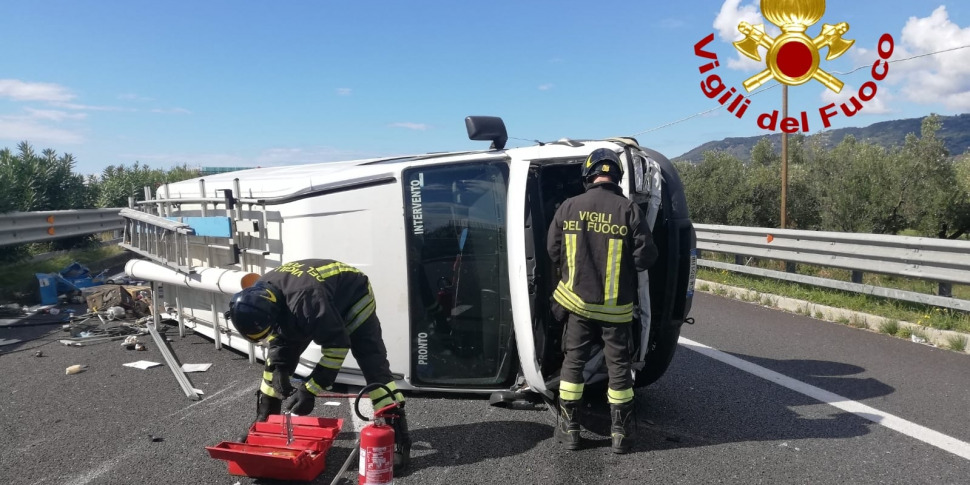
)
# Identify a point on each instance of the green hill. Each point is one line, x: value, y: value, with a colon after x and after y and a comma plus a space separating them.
x: 955, y: 134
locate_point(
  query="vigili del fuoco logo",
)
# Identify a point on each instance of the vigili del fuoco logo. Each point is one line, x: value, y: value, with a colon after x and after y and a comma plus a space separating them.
x: 792, y: 58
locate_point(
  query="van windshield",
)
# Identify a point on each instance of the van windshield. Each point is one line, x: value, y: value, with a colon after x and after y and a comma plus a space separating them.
x: 461, y: 318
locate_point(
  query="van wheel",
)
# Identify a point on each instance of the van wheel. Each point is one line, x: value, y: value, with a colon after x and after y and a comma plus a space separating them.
x: 659, y: 358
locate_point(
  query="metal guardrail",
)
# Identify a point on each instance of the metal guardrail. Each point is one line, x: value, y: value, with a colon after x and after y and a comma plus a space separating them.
x: 27, y: 227
x: 940, y: 260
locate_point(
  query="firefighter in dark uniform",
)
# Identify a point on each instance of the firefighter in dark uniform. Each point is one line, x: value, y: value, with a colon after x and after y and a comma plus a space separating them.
x: 331, y: 304
x: 598, y: 241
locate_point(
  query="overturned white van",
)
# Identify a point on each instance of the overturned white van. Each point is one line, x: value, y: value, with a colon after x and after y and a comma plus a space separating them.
x: 462, y: 231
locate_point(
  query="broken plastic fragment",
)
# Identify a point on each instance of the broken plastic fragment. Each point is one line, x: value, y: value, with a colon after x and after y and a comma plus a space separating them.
x: 195, y: 367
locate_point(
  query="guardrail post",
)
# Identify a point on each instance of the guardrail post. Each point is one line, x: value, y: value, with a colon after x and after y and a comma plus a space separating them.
x: 789, y: 267
x: 857, y: 276
x: 945, y: 289
x: 739, y: 260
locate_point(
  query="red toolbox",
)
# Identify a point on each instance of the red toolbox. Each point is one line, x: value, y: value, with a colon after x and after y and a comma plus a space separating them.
x: 265, y: 453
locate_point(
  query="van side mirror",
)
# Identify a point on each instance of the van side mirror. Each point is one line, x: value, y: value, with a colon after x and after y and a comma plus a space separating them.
x: 490, y: 128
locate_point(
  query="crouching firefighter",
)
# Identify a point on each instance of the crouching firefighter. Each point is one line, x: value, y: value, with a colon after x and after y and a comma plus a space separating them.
x: 599, y: 241
x: 331, y: 304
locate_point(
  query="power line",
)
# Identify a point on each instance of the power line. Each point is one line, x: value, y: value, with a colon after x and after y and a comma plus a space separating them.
x: 905, y: 59
x: 776, y: 85
x: 773, y: 86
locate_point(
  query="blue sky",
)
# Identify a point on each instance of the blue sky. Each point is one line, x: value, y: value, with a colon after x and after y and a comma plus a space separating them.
x: 247, y: 83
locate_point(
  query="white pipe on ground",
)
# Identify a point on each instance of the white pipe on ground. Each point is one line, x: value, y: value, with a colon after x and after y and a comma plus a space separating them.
x: 217, y: 280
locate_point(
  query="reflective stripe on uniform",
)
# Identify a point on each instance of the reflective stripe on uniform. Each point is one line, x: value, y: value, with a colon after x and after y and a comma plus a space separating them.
x: 361, y: 311
x: 328, y: 270
x: 604, y: 313
x: 380, y: 398
x: 265, y: 388
x: 333, y: 358
x: 570, y: 242
x: 611, y: 285
x: 569, y: 391
x: 314, y: 388
x: 620, y: 397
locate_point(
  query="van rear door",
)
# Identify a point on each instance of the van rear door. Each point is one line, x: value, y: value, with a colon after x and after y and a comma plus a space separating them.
x: 518, y: 234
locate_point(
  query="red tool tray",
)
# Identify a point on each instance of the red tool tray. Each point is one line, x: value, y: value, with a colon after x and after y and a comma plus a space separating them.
x: 265, y: 453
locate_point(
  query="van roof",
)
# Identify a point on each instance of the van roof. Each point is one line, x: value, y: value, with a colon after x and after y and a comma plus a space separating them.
x: 282, y: 181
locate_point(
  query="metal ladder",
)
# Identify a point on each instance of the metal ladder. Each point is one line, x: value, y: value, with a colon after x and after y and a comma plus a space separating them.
x: 159, y: 232
x: 157, y: 238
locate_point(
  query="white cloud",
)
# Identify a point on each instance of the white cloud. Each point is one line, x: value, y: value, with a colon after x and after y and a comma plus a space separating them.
x: 344, y: 91
x: 15, y: 129
x: 731, y: 14
x: 546, y: 87
x: 23, y: 91
x: 875, y: 106
x: 726, y: 24
x: 410, y: 126
x: 133, y: 97
x: 54, y: 115
x: 938, y: 79
x: 87, y: 107
x: 177, y: 111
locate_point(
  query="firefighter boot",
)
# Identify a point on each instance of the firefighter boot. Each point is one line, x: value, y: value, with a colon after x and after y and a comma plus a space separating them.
x: 402, y: 439
x: 621, y: 429
x: 567, y: 431
x: 265, y: 405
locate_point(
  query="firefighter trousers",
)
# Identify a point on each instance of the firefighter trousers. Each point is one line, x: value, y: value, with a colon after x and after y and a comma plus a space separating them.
x: 366, y: 344
x: 579, y: 336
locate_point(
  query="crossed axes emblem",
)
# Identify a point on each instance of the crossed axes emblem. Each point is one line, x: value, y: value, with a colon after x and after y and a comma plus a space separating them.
x: 799, y: 54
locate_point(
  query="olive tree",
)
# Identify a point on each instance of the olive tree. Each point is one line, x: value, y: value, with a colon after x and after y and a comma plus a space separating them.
x: 715, y: 189
x: 936, y: 202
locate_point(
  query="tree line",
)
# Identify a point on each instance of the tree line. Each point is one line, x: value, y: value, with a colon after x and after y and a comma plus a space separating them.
x: 857, y: 186
x: 46, y: 181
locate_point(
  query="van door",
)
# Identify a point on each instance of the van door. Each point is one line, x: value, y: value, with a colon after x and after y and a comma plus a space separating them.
x: 519, y: 235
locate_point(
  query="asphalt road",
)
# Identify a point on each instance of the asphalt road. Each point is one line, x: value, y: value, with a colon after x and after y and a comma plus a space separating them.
x: 705, y: 421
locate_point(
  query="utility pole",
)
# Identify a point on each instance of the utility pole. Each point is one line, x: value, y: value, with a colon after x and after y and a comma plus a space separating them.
x: 784, y: 159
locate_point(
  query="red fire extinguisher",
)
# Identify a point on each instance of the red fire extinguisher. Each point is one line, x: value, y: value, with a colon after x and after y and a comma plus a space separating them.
x: 376, y: 466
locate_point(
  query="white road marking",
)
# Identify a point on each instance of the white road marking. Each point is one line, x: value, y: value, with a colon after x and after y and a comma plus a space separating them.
x: 895, y: 423
x: 366, y: 408
x: 96, y: 473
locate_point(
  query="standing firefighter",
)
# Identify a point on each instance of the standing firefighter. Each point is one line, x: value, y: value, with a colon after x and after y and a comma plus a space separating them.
x: 599, y: 241
x: 331, y: 304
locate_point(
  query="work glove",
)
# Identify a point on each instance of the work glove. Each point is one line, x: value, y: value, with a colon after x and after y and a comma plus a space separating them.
x: 300, y: 403
x: 281, y: 383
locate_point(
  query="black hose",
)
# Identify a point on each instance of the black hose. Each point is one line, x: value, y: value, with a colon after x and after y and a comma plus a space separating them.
x: 363, y: 391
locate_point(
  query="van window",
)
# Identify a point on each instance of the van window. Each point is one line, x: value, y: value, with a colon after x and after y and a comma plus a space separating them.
x: 461, y: 319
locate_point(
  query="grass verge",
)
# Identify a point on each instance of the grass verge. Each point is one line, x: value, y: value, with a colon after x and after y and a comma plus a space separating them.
x: 929, y: 316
